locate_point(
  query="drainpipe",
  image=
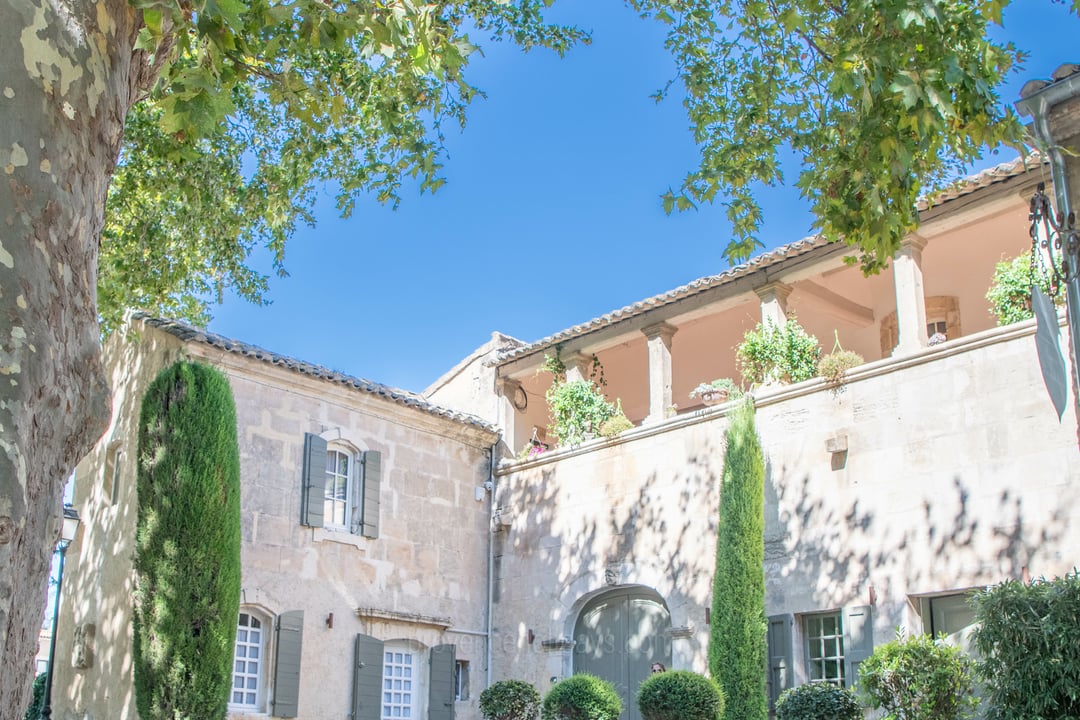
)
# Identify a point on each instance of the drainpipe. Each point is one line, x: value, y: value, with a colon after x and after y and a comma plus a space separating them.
x: 490, y: 487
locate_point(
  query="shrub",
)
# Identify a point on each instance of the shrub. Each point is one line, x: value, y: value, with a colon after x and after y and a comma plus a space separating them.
x: 680, y: 695
x: 1010, y: 290
x: 918, y: 678
x: 778, y: 353
x: 582, y: 697
x: 187, y: 545
x: 37, y: 698
x: 723, y: 384
x: 834, y: 366
x: 737, y: 648
x: 615, y: 424
x: 818, y: 701
x: 577, y: 408
x: 510, y: 700
x: 1026, y: 636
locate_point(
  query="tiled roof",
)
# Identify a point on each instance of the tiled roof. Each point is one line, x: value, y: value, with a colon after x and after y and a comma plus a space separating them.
x: 965, y: 186
x: 190, y: 333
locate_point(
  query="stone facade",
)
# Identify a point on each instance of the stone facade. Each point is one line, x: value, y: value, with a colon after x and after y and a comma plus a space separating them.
x: 421, y: 583
x: 929, y: 472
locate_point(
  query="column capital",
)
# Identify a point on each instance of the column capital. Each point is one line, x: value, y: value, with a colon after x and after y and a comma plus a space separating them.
x: 775, y: 289
x: 659, y: 330
x: 912, y: 245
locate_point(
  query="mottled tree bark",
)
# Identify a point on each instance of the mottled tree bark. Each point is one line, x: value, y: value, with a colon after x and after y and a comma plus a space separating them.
x: 67, y: 83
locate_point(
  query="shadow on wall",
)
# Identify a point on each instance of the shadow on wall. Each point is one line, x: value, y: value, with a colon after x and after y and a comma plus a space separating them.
x: 822, y: 554
x: 590, y: 523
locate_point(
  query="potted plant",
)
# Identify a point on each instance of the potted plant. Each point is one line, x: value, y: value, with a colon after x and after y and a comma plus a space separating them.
x: 834, y: 366
x: 772, y: 353
x: 718, y: 391
x: 578, y: 409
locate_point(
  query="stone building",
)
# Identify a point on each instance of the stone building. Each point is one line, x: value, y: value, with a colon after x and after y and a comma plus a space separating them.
x: 932, y: 470
x: 364, y: 542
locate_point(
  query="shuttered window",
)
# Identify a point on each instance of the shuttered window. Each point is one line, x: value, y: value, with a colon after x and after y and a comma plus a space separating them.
x: 340, y: 488
x: 835, y: 643
x: 249, y: 655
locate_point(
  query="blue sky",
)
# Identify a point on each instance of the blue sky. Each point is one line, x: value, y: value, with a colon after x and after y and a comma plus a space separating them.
x: 550, y: 216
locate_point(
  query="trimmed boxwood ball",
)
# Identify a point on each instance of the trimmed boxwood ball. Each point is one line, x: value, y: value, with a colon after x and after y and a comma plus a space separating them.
x: 818, y: 701
x: 187, y: 546
x: 680, y: 695
x: 510, y: 700
x: 582, y: 697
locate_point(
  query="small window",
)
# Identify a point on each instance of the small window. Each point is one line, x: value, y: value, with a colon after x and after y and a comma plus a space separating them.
x: 461, y: 680
x: 937, y: 327
x: 114, y: 460
x: 398, y: 685
x: 248, y: 663
x: 825, y: 648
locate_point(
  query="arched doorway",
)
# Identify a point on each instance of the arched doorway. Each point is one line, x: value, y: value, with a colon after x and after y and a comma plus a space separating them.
x: 618, y: 636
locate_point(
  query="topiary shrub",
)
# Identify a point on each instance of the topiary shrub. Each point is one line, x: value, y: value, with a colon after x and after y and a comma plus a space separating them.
x: 615, y: 424
x: 737, y: 648
x: 187, y: 545
x: 1026, y: 636
x: 818, y: 701
x: 582, y: 697
x: 680, y: 695
x: 510, y: 700
x: 918, y: 678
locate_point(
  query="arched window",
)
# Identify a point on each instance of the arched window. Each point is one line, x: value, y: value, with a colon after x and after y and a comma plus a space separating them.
x: 249, y: 663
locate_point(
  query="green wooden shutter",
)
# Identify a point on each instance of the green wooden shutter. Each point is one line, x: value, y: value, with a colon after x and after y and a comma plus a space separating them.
x: 441, y: 682
x: 367, y: 678
x: 781, y: 674
x: 288, y: 641
x: 858, y: 640
x: 372, y: 484
x: 313, y: 485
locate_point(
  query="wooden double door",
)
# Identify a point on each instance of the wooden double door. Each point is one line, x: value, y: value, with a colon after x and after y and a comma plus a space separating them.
x: 618, y: 636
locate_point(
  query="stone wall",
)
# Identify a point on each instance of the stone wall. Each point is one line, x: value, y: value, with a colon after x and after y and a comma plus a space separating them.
x: 944, y: 471
x: 423, y: 580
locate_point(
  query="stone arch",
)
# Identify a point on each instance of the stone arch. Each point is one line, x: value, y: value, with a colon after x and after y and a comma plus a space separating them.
x: 618, y: 634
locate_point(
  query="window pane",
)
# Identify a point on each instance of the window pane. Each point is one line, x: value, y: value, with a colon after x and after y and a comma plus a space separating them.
x: 828, y: 625
x: 832, y: 647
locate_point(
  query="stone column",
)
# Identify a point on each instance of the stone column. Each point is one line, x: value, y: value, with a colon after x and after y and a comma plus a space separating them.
x: 578, y: 366
x: 774, y: 297
x: 910, y: 296
x: 659, y: 336
x: 509, y: 389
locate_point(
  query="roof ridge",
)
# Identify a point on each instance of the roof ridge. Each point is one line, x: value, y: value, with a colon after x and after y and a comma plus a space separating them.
x: 190, y: 333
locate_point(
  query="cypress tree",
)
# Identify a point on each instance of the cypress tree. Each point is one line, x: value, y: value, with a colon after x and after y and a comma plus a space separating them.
x: 187, y: 555
x: 737, y: 650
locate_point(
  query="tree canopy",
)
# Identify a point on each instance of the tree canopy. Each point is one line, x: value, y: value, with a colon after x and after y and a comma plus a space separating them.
x: 257, y: 105
x: 882, y: 101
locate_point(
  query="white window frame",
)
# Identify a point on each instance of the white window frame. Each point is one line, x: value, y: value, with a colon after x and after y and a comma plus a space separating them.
x: 402, y: 683
x: 821, y: 640
x: 461, y: 680
x: 352, y: 486
x: 260, y: 661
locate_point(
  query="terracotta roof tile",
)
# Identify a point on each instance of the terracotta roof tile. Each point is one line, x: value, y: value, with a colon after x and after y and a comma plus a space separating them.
x: 190, y: 333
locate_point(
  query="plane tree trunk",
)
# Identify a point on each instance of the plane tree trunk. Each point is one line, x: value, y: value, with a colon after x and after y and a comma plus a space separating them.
x: 70, y: 76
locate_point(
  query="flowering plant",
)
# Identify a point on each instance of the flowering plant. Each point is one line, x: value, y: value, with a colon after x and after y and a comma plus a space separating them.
x: 721, y: 384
